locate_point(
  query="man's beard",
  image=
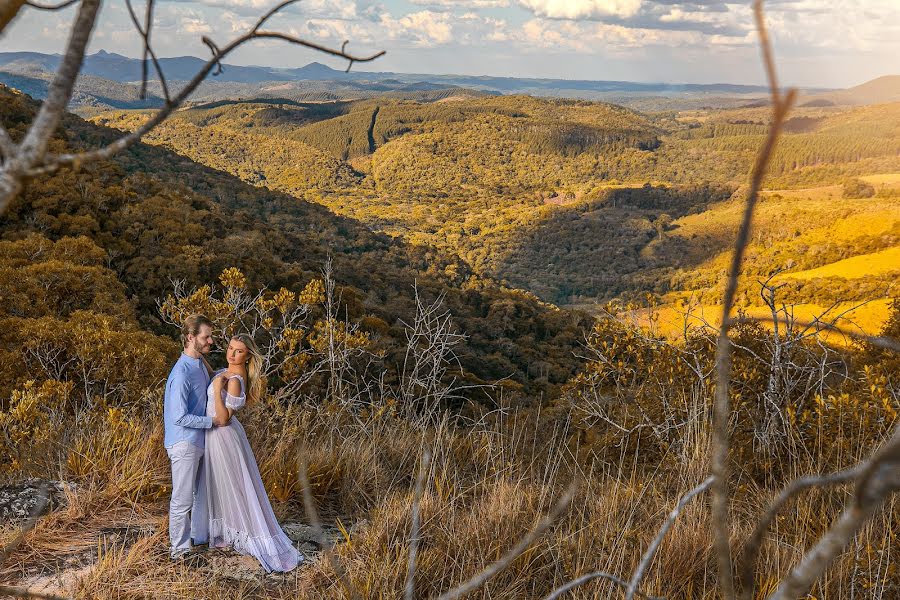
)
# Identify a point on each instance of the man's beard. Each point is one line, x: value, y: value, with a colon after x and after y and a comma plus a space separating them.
x: 200, y: 348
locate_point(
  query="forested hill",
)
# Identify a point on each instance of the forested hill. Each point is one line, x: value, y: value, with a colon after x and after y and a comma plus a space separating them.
x: 151, y: 216
x: 578, y: 202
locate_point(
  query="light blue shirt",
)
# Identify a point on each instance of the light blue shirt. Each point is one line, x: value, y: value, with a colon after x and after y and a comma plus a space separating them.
x: 184, y: 410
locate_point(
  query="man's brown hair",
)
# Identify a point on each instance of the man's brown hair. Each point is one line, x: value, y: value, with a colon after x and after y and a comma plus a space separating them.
x: 192, y: 325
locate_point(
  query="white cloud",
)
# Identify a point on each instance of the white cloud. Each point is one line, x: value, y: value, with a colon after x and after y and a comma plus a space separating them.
x: 449, y: 4
x: 424, y: 28
x: 582, y: 9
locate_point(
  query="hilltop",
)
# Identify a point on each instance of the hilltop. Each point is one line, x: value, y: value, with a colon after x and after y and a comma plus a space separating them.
x: 877, y: 91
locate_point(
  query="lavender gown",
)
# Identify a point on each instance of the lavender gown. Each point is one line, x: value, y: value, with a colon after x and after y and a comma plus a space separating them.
x: 240, y: 514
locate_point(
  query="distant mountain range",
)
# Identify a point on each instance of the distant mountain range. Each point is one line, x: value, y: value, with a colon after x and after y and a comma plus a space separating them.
x: 104, y: 74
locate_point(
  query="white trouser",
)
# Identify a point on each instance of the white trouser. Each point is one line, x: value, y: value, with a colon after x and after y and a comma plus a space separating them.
x: 188, y: 515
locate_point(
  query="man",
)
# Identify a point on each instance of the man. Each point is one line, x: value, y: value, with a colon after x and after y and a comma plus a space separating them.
x: 184, y: 414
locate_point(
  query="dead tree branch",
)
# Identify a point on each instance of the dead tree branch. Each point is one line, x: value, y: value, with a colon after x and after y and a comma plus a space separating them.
x: 409, y: 591
x: 879, y: 477
x: 30, y: 158
x: 721, y: 410
x: 558, y: 592
x: 753, y: 545
x: 651, y: 551
x: 478, y: 580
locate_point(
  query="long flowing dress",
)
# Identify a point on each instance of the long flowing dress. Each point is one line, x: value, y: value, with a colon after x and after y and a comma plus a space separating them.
x: 240, y: 514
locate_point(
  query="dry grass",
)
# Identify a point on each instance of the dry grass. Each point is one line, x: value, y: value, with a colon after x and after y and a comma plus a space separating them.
x: 486, y: 486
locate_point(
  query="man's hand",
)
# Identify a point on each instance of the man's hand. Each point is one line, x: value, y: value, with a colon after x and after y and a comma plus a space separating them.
x: 220, y: 421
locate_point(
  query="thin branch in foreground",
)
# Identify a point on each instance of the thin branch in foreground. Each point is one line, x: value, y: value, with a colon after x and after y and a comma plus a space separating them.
x: 409, y: 591
x: 879, y: 479
x: 721, y: 407
x: 478, y: 580
x: 310, y: 506
x: 667, y: 524
x: 41, y: 6
x: 31, y: 157
x: 753, y: 545
x: 879, y: 341
x: 558, y: 592
x: 148, y: 49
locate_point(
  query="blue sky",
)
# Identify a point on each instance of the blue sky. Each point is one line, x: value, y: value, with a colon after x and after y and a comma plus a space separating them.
x: 830, y: 43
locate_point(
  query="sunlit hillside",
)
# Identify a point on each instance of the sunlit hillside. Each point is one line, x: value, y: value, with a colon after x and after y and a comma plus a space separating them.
x: 578, y: 202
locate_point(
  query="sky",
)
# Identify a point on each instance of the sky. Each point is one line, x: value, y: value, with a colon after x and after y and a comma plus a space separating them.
x: 818, y: 43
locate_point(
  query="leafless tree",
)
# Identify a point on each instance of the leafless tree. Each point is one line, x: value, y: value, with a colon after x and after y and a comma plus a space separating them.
x: 431, y: 341
x: 30, y: 157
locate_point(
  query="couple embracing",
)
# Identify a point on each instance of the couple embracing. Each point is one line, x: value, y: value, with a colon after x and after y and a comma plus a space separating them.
x: 218, y: 497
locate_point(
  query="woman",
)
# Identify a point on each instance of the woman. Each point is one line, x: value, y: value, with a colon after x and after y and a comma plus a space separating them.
x: 240, y: 514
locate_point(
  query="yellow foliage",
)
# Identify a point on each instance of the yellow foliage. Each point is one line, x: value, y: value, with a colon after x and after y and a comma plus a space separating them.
x: 26, y: 427
x: 313, y: 293
x: 233, y: 278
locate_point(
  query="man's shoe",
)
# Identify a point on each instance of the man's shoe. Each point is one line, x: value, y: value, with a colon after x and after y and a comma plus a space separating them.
x: 189, y: 559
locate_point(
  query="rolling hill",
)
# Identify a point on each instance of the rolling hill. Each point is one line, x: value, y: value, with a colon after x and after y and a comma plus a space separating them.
x: 578, y: 202
x: 159, y: 217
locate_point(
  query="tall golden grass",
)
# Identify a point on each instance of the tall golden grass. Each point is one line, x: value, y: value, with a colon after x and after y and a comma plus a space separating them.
x: 488, y: 483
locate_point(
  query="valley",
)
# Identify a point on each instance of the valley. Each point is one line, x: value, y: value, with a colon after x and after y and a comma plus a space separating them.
x: 579, y: 202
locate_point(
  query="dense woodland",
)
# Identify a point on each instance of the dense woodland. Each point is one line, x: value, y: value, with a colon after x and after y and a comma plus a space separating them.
x: 497, y: 211
x: 578, y: 202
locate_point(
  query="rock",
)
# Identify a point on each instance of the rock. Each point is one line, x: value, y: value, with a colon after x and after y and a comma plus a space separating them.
x: 18, y: 501
x: 304, y: 536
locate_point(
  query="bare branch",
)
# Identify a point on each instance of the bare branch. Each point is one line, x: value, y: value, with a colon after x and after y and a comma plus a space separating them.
x: 722, y: 410
x: 879, y: 479
x: 558, y: 592
x: 34, y: 147
x: 651, y: 551
x: 60, y: 90
x: 60, y: 6
x: 878, y: 341
x: 409, y: 592
x: 753, y: 545
x: 269, y: 14
x: 9, y: 9
x: 54, y: 162
x: 310, y: 506
x: 478, y: 580
x: 148, y: 49
x: 30, y: 159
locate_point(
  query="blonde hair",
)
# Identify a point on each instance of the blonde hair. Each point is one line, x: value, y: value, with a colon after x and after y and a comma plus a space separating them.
x: 256, y: 383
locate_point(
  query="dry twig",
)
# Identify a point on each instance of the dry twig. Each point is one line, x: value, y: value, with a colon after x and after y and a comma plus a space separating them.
x: 30, y: 158
x: 478, y: 580
x: 651, y: 551
x: 409, y: 591
x: 721, y: 410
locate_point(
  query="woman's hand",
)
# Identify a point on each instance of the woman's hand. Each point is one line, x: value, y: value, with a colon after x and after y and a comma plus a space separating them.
x: 222, y: 414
